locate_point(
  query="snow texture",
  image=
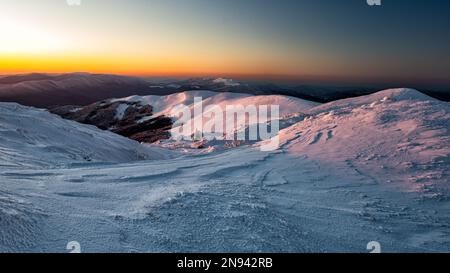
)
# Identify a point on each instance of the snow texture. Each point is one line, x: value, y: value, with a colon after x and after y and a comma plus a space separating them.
x: 373, y: 168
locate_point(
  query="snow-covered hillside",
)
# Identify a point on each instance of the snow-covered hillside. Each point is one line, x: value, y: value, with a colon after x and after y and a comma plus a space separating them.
x: 373, y: 168
x: 289, y: 109
x: 397, y: 136
x: 163, y: 105
x: 150, y: 118
x: 32, y: 137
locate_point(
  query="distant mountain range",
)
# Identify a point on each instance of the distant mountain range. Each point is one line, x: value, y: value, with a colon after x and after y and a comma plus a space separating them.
x: 43, y: 90
x: 50, y: 90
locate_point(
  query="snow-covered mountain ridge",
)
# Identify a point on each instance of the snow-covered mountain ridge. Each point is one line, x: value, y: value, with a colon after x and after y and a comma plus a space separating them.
x: 150, y: 118
x: 396, y: 136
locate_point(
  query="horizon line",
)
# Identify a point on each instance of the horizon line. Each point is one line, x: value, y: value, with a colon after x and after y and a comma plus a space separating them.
x: 257, y: 77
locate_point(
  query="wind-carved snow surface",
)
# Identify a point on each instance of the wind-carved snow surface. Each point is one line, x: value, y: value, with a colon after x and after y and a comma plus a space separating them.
x: 398, y: 136
x: 373, y: 168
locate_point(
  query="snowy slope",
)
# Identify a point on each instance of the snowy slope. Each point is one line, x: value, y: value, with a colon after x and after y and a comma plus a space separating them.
x: 336, y: 183
x: 32, y: 137
x: 395, y: 136
x: 162, y: 105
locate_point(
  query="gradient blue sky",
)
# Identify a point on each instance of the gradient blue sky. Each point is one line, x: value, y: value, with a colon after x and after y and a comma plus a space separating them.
x: 322, y: 39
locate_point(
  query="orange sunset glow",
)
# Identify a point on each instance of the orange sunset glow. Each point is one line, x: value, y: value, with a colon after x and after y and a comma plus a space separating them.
x: 159, y: 38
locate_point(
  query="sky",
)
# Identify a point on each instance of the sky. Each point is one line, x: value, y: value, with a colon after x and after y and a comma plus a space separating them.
x: 401, y: 40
